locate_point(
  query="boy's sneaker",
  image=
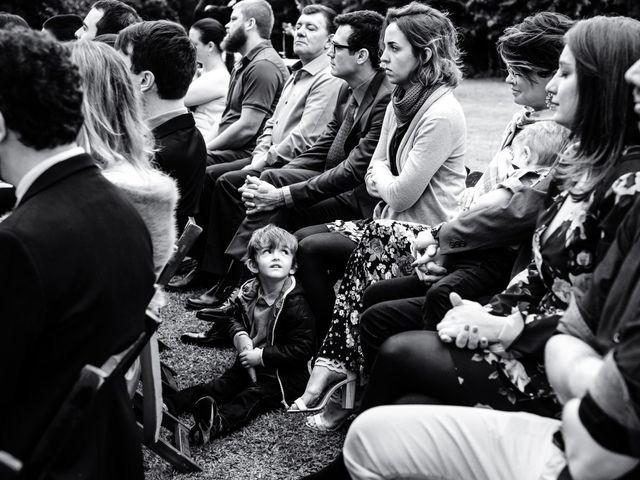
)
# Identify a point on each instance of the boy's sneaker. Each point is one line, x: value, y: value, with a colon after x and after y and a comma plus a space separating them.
x: 208, y: 423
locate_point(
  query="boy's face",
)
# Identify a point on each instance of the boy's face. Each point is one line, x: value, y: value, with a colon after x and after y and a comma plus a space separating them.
x: 274, y: 263
x: 521, y: 155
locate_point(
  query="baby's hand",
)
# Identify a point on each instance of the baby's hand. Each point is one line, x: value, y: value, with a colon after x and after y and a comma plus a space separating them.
x: 250, y: 358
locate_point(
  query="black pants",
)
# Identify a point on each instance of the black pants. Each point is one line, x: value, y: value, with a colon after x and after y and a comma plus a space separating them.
x: 239, y: 400
x: 473, y: 275
x: 225, y: 212
x: 322, y: 257
x: 208, y: 213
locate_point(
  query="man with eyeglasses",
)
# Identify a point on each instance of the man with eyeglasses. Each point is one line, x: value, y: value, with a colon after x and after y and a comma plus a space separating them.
x: 327, y: 181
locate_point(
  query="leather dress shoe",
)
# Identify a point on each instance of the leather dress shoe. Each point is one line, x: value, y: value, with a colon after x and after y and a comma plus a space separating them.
x: 192, y: 280
x: 216, y: 336
x: 222, y: 312
x: 209, y: 299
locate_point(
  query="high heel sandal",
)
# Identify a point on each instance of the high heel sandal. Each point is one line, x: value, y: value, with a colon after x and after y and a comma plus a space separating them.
x: 347, y: 396
x: 337, y: 414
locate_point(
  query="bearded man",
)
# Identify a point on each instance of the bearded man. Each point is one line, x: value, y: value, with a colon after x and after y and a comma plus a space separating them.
x: 256, y: 82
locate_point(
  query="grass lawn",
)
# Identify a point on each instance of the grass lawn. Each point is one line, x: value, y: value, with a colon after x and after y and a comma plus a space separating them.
x: 279, y: 446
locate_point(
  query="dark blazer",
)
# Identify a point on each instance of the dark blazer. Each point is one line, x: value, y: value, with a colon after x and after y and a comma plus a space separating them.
x: 360, y: 145
x: 183, y: 155
x: 501, y: 225
x: 77, y: 274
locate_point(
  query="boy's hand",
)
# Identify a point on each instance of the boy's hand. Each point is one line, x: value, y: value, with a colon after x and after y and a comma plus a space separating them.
x: 250, y: 358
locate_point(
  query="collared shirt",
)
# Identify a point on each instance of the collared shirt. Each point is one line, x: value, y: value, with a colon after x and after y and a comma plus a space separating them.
x: 256, y: 82
x: 304, y: 110
x: 360, y: 91
x: 33, y: 174
x: 158, y: 120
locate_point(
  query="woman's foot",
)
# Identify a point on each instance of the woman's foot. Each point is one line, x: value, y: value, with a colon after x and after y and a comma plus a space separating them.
x: 332, y: 417
x: 320, y: 381
x: 326, y: 379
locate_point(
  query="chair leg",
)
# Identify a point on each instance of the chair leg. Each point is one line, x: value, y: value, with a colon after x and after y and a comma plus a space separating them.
x: 178, y: 452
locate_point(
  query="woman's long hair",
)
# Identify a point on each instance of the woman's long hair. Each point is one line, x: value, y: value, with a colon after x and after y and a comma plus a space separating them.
x: 605, y: 122
x: 429, y: 29
x: 114, y: 129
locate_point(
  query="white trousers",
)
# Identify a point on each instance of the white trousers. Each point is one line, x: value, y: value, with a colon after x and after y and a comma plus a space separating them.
x: 429, y: 442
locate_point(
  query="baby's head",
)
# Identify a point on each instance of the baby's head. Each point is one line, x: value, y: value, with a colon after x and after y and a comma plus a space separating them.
x: 271, y: 253
x: 538, y: 144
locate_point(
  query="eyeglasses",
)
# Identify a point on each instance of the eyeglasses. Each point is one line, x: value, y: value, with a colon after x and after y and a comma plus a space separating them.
x: 333, y: 46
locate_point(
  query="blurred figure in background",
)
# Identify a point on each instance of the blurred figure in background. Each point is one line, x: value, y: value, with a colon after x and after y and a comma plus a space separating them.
x: 63, y: 27
x: 106, y: 16
x: 207, y: 95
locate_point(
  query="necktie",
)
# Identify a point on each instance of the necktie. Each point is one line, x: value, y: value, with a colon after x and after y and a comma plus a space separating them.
x: 336, y: 153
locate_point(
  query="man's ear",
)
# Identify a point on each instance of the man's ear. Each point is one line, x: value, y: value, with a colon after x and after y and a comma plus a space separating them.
x: 252, y: 266
x: 147, y: 80
x: 362, y: 56
x: 250, y: 24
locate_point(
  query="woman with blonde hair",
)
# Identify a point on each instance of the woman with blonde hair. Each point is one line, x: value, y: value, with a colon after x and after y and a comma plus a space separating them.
x: 116, y: 136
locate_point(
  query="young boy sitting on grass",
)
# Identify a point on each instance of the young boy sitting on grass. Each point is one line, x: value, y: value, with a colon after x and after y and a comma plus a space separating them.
x: 274, y: 331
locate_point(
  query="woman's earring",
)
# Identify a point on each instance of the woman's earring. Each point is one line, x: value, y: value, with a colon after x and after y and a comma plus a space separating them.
x: 547, y: 99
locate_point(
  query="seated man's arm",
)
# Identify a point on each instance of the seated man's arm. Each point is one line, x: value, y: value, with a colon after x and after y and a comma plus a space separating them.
x: 239, y: 133
x: 318, y: 111
x: 262, y: 85
x: 506, y: 223
x: 315, y: 157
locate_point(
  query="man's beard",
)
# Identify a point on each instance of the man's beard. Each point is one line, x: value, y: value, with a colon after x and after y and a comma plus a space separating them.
x: 234, y: 41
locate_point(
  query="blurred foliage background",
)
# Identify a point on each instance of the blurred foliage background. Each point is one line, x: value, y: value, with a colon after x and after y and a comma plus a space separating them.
x: 480, y: 22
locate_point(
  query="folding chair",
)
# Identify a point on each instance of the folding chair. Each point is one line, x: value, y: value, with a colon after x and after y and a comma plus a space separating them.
x: 89, y: 385
x: 148, y: 404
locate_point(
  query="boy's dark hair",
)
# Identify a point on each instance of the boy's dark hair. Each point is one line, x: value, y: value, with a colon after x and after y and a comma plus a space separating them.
x: 261, y: 12
x: 534, y: 45
x: 270, y: 236
x: 210, y: 31
x: 63, y: 27
x: 115, y: 17
x: 163, y: 48
x: 328, y: 13
x: 40, y: 89
x: 366, y: 28
x: 9, y: 20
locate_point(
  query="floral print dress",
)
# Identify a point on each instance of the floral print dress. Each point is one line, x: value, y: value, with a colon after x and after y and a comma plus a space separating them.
x: 383, y: 252
x: 564, y: 259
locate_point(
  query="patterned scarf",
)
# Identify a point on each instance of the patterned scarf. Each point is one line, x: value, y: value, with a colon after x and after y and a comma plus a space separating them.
x: 407, y: 102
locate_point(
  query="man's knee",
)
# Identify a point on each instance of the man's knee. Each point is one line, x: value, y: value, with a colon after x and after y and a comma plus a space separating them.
x: 395, y: 347
x: 438, y: 296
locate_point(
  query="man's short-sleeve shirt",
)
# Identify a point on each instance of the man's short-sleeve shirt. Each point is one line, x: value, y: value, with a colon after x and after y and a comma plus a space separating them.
x: 256, y: 82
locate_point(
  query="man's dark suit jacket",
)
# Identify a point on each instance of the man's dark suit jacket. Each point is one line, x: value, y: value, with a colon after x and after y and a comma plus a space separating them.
x: 182, y: 154
x: 344, y: 181
x: 77, y: 275
x: 359, y: 145
x: 511, y: 222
